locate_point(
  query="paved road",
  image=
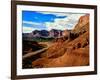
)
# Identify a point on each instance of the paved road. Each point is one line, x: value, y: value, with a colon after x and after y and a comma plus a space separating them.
x: 36, y: 52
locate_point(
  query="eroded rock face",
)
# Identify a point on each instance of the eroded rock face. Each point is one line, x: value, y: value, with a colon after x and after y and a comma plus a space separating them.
x: 82, y: 25
x: 73, y: 51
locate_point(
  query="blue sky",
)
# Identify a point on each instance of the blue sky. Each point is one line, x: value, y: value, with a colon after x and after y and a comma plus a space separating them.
x: 39, y: 17
x: 33, y: 20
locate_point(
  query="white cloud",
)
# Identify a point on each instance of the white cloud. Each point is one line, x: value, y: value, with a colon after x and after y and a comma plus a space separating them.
x: 65, y: 23
x: 30, y: 22
x: 27, y: 29
x: 33, y: 26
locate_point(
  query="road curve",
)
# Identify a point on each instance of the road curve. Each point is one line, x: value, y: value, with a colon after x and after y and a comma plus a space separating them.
x: 33, y: 53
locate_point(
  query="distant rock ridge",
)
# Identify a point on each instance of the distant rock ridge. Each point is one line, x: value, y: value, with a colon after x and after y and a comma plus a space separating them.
x: 54, y: 33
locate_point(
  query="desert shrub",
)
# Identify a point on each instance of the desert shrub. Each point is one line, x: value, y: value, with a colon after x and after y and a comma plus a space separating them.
x: 79, y: 45
x: 72, y: 35
x: 85, y: 43
x: 74, y: 47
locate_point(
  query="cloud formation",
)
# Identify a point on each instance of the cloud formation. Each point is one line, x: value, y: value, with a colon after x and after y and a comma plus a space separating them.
x: 65, y: 23
x: 33, y: 20
x: 27, y: 29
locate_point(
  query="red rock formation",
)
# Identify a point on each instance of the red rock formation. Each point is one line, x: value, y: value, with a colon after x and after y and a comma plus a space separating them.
x: 64, y: 53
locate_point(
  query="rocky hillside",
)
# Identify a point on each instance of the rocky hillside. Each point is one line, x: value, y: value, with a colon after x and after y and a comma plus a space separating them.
x: 70, y: 50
